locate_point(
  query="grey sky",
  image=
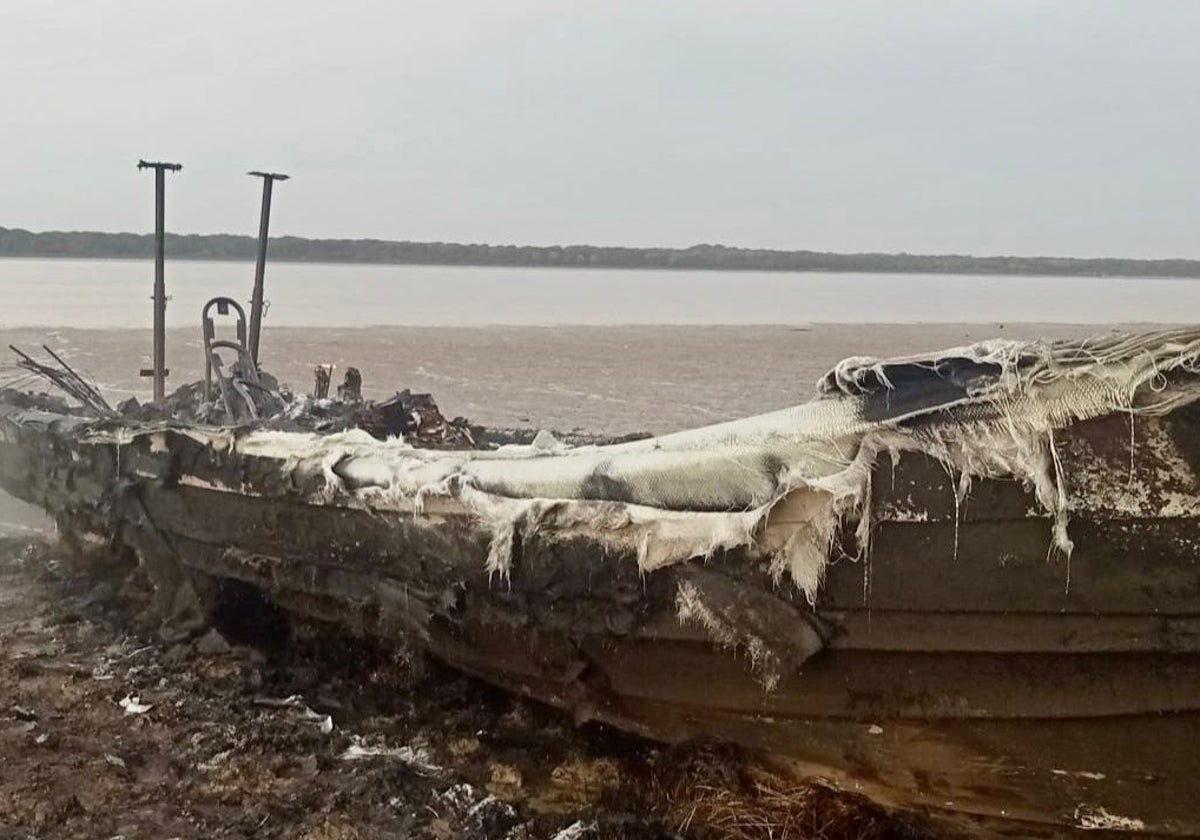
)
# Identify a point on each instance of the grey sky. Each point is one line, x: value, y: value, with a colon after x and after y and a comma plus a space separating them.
x: 974, y: 127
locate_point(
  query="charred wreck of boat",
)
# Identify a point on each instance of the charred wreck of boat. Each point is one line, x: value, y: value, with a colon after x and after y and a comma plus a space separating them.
x: 965, y: 584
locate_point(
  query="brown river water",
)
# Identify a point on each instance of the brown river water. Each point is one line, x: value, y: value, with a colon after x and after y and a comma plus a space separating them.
x: 612, y: 379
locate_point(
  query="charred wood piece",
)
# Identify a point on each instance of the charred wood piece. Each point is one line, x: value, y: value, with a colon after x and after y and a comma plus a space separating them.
x: 351, y: 388
x: 322, y: 374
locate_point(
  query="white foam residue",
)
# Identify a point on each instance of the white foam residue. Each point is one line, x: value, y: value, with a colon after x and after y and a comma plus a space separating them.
x: 1095, y: 818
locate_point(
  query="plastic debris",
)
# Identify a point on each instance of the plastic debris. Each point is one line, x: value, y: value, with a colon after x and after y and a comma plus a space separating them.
x: 418, y: 758
x: 323, y: 722
x: 295, y: 701
x: 133, y: 705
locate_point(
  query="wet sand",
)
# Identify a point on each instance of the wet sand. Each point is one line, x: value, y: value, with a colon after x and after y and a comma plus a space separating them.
x: 599, y: 378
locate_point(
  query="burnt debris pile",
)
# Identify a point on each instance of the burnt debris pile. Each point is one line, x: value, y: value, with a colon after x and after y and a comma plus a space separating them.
x: 258, y: 400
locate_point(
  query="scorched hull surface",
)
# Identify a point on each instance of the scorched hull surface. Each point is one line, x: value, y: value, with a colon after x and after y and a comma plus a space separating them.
x: 962, y: 669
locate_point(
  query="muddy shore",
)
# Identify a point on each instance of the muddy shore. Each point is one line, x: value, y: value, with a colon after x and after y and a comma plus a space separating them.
x: 269, y: 728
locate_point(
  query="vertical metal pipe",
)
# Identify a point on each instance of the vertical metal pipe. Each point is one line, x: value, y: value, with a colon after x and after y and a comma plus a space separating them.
x: 160, y: 285
x: 260, y: 268
x: 159, y: 371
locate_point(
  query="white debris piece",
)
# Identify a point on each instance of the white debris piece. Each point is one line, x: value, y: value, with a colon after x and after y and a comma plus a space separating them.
x: 575, y: 831
x: 296, y: 702
x: 416, y: 757
x: 214, y: 762
x: 1095, y: 818
x: 1081, y: 774
x: 323, y: 722
x: 133, y: 705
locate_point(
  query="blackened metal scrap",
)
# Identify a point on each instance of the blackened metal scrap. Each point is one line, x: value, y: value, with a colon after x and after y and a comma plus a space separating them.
x: 415, y: 417
x: 66, y: 379
x: 159, y: 371
x: 84, y: 385
x: 257, y: 308
x: 351, y: 388
x: 322, y: 375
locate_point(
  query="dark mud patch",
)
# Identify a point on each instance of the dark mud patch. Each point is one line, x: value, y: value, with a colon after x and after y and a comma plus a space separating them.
x: 270, y: 728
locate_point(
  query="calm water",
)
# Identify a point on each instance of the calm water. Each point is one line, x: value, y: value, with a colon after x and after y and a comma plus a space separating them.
x: 115, y: 293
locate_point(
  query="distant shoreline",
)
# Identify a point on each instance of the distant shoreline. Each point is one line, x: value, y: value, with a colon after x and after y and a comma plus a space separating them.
x: 23, y: 244
x: 274, y: 260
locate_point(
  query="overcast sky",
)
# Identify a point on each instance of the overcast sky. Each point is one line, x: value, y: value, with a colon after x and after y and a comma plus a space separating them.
x: 1041, y: 127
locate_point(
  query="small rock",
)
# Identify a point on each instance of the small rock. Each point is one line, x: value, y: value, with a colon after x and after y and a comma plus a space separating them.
x: 576, y: 785
x: 22, y: 713
x: 212, y: 643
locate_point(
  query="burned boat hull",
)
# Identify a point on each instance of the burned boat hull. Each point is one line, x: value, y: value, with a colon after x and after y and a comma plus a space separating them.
x: 998, y: 626
x: 962, y: 670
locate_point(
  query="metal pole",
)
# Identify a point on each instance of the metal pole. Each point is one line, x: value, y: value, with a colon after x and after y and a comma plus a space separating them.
x: 260, y: 268
x: 159, y: 371
x: 160, y: 284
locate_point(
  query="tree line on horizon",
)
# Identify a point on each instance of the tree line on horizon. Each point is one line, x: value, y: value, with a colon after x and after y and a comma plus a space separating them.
x: 15, y: 242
